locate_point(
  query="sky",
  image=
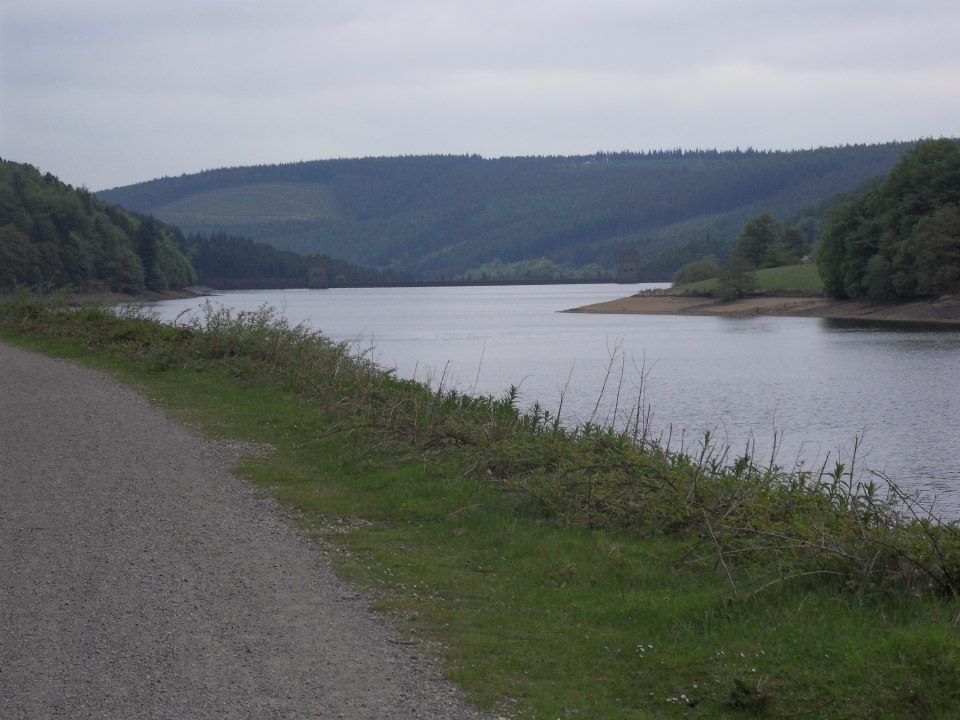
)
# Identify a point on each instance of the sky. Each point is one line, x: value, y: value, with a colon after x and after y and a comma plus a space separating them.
x: 105, y: 93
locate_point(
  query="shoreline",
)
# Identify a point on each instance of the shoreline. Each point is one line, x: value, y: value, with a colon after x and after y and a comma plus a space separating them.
x: 109, y: 297
x: 943, y: 312
x: 415, y: 536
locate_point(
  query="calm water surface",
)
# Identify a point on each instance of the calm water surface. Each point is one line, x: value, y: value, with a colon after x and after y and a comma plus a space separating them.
x: 815, y: 383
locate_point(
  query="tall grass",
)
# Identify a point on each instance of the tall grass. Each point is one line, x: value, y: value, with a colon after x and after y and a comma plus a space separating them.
x: 557, y: 572
x: 756, y: 524
x: 787, y: 280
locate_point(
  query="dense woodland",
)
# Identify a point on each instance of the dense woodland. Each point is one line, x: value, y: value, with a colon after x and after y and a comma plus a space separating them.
x: 52, y: 235
x: 898, y: 238
x: 228, y: 261
x: 442, y: 217
x: 901, y: 238
x: 55, y: 236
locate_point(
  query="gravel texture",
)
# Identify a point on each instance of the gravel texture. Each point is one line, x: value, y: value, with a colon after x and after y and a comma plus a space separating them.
x: 140, y: 579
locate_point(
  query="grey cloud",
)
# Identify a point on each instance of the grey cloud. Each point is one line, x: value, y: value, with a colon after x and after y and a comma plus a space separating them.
x: 112, y: 91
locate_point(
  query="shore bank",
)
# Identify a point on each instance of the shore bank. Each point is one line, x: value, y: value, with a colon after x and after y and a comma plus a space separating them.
x: 582, y: 532
x: 945, y: 311
x: 107, y: 297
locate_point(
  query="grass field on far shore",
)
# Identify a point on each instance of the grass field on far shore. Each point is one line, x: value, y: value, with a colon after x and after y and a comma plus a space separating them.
x: 800, y: 279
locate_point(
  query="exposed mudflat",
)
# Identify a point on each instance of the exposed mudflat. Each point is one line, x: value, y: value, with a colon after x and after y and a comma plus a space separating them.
x: 944, y: 311
x: 140, y: 579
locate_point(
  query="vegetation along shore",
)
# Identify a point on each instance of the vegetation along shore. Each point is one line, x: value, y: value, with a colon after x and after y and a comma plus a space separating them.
x: 555, y: 571
x: 891, y: 253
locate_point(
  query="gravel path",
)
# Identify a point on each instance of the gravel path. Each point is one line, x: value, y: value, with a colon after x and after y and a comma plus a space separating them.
x: 139, y: 579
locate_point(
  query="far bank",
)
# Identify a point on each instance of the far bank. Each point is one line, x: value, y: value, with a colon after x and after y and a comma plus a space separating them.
x: 944, y: 311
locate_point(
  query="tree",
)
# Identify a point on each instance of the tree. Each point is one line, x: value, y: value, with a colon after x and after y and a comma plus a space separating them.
x: 898, y: 239
x: 146, y: 242
x: 757, y: 236
x: 938, y: 252
x: 767, y: 243
x: 19, y: 261
x: 57, y: 236
x: 794, y: 242
x: 736, y: 277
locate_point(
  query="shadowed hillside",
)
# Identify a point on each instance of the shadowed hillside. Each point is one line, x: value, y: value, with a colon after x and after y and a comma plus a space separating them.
x: 55, y: 236
x: 446, y: 216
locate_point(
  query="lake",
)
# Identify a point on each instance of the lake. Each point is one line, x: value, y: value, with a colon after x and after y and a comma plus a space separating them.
x: 805, y: 385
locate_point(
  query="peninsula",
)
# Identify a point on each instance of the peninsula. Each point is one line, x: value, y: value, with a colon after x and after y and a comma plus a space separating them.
x: 943, y: 311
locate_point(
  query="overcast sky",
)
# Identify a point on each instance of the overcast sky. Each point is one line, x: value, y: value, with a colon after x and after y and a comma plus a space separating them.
x: 109, y: 92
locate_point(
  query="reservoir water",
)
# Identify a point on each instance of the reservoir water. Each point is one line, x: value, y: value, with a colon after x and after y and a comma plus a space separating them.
x: 807, y: 386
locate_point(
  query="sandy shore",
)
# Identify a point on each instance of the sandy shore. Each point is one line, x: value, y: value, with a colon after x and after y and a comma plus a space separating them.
x: 945, y: 311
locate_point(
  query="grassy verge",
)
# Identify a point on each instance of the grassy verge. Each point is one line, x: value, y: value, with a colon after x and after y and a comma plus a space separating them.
x: 562, y: 573
x: 789, y: 279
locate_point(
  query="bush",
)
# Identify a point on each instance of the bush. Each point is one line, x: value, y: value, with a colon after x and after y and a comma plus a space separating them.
x: 736, y: 277
x: 695, y: 271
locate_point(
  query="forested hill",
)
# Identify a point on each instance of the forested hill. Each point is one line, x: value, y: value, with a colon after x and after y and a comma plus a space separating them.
x: 445, y: 216
x: 52, y: 235
x: 55, y: 236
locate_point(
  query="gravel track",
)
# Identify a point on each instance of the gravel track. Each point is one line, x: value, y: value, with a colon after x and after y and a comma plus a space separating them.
x: 140, y: 579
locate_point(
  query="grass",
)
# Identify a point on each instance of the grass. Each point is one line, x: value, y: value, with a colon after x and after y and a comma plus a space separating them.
x: 789, y: 279
x: 545, y: 588
x: 290, y: 201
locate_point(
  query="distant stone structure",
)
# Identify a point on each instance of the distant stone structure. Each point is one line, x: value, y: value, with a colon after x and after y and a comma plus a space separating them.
x: 628, y: 266
x: 318, y: 276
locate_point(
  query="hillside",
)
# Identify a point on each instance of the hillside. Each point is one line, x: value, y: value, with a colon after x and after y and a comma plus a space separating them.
x: 447, y: 216
x: 54, y: 235
x: 229, y: 262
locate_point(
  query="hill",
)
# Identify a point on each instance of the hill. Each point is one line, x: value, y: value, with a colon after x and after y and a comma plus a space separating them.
x: 441, y: 217
x: 230, y: 262
x: 54, y: 235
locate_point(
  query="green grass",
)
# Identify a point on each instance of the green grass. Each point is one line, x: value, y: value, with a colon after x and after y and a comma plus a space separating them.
x: 536, y: 613
x: 269, y: 201
x: 790, y: 279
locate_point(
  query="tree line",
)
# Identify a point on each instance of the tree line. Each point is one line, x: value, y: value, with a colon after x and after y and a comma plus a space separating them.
x: 55, y: 236
x: 900, y: 239
x: 231, y: 261
x: 441, y: 217
x: 894, y: 239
